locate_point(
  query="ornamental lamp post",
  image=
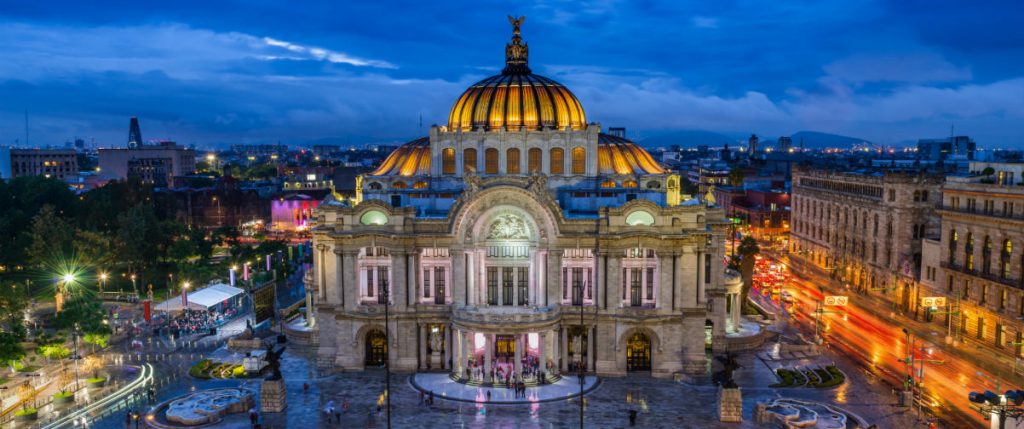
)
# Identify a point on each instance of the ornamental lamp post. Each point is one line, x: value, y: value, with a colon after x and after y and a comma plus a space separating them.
x: 103, y: 283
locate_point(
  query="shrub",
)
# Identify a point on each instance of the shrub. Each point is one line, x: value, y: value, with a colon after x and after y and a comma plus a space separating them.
x: 25, y: 412
x: 200, y: 369
x: 786, y: 378
x: 60, y: 395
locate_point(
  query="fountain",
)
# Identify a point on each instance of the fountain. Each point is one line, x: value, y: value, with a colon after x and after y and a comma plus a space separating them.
x: 205, y: 407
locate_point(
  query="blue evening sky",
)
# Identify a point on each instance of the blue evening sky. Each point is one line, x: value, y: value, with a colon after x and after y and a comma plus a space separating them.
x: 253, y: 71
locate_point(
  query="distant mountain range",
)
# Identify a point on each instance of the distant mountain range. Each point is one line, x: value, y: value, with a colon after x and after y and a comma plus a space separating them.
x: 693, y: 138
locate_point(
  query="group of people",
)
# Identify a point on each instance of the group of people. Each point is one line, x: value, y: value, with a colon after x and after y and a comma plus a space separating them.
x: 193, y: 321
x: 332, y: 413
x: 428, y: 400
x: 531, y: 368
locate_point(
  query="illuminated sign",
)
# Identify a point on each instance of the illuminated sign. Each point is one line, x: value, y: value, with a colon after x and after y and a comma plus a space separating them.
x: 839, y: 301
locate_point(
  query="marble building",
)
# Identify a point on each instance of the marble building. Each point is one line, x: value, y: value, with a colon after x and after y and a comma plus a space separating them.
x: 520, y: 238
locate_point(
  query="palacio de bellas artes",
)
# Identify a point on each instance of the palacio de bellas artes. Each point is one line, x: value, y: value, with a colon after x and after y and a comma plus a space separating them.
x: 518, y: 239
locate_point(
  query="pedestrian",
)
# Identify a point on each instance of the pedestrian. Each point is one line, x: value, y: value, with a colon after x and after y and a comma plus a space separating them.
x: 632, y: 417
x: 337, y: 416
x: 344, y: 405
x: 488, y: 396
x: 305, y: 387
x: 253, y: 418
x: 431, y: 398
x: 421, y: 397
x: 128, y: 420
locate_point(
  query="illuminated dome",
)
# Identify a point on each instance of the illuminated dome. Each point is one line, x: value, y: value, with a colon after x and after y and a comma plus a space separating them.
x: 410, y: 159
x: 516, y: 99
x: 616, y: 155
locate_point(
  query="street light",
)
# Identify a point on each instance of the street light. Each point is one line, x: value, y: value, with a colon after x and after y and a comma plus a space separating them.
x: 103, y: 283
x: 387, y: 348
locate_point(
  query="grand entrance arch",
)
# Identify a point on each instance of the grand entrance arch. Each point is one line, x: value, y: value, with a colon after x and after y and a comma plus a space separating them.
x: 376, y: 348
x: 638, y: 353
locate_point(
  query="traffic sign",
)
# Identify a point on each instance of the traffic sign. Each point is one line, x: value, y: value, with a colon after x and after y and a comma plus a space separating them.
x: 838, y: 300
x: 933, y: 301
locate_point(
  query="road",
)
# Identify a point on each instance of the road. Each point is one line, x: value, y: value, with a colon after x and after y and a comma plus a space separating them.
x: 864, y: 331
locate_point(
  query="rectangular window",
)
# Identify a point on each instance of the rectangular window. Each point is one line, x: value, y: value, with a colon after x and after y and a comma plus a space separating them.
x: 707, y: 269
x: 512, y: 161
x: 523, y: 279
x: 984, y: 294
x: 369, y: 282
x: 382, y: 284
x: 981, y: 328
x: 577, y: 286
x: 999, y: 335
x: 1002, y: 299
x: 650, y: 283
x: 590, y: 284
x: 634, y: 287
x: 492, y: 285
x: 426, y: 282
x: 439, y: 285
x: 892, y: 195
x: 949, y: 284
x: 506, y: 286
x: 557, y: 161
x: 533, y: 161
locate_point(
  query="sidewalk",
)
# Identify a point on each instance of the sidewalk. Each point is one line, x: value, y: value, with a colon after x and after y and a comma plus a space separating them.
x: 988, y: 358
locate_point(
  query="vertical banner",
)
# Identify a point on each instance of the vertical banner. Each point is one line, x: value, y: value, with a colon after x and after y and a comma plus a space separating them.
x: 147, y: 310
x: 232, y: 271
x: 268, y: 262
x: 245, y: 271
x: 184, y: 298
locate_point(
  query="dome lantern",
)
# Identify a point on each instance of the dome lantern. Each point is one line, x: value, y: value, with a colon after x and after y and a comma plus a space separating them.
x: 517, y: 99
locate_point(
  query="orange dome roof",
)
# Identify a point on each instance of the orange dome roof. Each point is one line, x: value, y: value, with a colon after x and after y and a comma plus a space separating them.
x: 410, y: 159
x: 514, y: 102
x: 516, y: 99
x: 616, y: 155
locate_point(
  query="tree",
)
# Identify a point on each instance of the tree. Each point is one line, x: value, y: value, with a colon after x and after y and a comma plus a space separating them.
x: 736, y: 176
x: 747, y: 251
x: 96, y: 339
x: 13, y: 302
x: 51, y: 237
x: 95, y: 248
x: 83, y: 313
x: 11, y: 350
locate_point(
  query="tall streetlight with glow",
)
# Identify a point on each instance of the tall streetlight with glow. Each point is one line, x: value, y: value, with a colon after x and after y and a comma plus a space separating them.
x: 103, y: 282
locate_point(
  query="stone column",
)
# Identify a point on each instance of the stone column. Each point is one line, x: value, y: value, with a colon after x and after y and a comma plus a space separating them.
x: 321, y: 270
x: 543, y: 350
x: 447, y: 347
x: 554, y: 283
x: 615, y: 279
x: 310, y: 314
x: 517, y: 365
x: 540, y: 286
x: 563, y: 350
x: 457, y: 285
x: 350, y: 277
x: 399, y: 280
x: 488, y: 345
x: 332, y: 284
x: 424, y: 339
x: 471, y: 279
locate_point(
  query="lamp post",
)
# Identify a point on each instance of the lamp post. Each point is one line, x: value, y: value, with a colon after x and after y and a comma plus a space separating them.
x: 184, y: 296
x: 103, y: 283
x: 62, y: 290
x: 77, y: 356
x: 134, y: 288
x: 387, y: 358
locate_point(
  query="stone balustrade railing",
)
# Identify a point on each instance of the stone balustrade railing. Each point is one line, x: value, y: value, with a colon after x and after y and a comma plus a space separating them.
x: 502, y: 315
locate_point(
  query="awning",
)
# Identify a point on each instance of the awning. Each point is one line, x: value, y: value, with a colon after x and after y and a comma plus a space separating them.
x: 202, y: 299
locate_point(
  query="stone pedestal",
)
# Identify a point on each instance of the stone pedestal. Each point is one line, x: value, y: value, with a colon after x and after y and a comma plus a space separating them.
x: 272, y: 396
x: 730, y: 405
x: 435, y: 360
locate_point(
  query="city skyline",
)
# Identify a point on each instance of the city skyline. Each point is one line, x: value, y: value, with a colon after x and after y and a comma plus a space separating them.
x: 895, y: 72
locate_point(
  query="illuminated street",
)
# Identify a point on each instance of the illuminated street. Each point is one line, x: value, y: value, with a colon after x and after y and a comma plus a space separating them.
x: 864, y: 332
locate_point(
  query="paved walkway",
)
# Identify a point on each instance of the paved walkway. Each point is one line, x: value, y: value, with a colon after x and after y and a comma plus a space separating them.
x: 446, y: 388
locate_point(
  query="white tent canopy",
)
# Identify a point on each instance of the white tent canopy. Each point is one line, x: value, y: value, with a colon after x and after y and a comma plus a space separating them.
x: 202, y: 299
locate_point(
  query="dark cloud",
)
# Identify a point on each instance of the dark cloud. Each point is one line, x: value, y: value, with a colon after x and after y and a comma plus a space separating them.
x: 223, y: 72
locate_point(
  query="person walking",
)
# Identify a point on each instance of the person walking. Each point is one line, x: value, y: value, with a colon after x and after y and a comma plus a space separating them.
x: 431, y: 398
x: 632, y: 417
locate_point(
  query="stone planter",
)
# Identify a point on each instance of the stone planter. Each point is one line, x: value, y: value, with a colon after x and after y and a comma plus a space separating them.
x: 96, y: 382
x: 61, y: 399
x: 26, y: 417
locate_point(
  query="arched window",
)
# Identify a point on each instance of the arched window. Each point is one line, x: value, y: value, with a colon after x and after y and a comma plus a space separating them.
x: 448, y: 161
x: 419, y: 185
x: 608, y: 184
x: 1004, y: 259
x: 533, y: 160
x: 469, y: 161
x: 579, y: 160
x: 986, y: 255
x: 640, y: 217
x: 557, y: 161
x: 491, y: 161
x: 629, y: 184
x: 512, y: 161
x: 374, y: 186
x: 398, y: 185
